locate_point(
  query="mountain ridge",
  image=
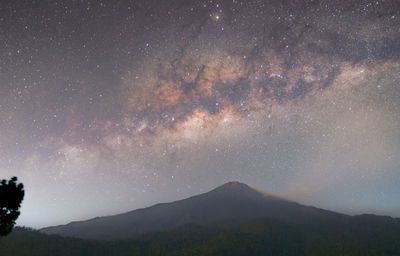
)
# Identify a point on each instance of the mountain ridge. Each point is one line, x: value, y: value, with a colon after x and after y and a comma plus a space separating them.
x: 231, y: 201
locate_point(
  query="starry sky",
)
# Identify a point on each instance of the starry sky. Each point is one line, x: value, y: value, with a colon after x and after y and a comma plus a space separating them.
x: 109, y: 106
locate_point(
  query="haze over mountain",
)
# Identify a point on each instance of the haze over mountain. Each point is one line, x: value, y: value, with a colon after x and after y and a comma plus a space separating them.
x: 231, y: 201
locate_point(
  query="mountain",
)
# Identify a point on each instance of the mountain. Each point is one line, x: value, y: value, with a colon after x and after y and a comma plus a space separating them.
x: 231, y: 201
x: 233, y: 219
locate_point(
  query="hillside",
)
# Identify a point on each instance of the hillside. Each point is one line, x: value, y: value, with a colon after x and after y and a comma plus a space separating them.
x: 363, y: 235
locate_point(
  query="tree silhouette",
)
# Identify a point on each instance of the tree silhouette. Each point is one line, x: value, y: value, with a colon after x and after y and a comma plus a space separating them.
x: 11, y: 195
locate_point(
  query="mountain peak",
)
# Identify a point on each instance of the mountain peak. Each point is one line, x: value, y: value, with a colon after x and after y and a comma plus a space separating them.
x: 235, y: 183
x: 237, y: 188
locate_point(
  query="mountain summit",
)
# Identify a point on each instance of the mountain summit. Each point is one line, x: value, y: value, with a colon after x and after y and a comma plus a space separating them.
x: 231, y: 201
x: 232, y: 186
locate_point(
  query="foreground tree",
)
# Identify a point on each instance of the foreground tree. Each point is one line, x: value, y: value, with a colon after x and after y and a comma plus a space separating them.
x: 11, y: 195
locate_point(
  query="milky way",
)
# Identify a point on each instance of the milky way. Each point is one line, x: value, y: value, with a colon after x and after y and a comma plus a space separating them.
x: 107, y: 107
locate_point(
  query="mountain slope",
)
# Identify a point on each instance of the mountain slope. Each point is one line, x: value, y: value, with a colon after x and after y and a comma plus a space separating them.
x: 231, y: 201
x: 362, y: 235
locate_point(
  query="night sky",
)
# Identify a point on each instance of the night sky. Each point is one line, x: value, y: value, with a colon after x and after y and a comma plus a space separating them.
x: 108, y: 106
